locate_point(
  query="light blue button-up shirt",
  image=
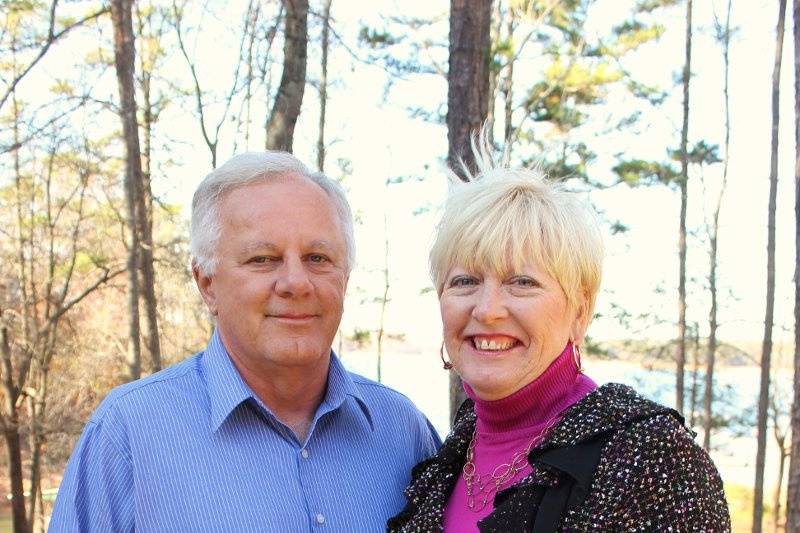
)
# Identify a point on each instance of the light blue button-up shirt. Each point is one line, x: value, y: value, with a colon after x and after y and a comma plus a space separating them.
x: 191, y: 448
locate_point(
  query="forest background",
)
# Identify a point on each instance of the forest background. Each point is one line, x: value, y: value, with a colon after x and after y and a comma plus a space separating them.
x: 111, y: 114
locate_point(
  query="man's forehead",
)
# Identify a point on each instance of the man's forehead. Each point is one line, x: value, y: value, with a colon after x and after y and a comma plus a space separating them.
x: 288, y: 187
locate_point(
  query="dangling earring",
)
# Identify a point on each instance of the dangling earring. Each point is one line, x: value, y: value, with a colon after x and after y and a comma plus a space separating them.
x: 447, y: 365
x: 576, y: 356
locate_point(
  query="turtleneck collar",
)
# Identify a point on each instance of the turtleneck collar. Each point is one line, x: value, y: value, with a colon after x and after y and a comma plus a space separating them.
x: 554, y: 390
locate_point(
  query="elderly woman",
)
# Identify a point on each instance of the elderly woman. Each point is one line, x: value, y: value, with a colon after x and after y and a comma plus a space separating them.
x: 538, y: 446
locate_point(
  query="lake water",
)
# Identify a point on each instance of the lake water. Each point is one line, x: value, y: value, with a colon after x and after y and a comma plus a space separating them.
x: 420, y: 376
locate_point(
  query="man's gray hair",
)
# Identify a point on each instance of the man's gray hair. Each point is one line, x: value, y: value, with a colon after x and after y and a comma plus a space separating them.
x: 245, y: 169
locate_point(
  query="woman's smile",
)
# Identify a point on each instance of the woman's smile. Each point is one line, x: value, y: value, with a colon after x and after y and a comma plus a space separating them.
x: 492, y: 344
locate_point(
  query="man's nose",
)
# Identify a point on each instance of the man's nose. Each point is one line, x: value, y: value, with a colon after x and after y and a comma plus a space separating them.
x: 490, y: 304
x: 293, y: 279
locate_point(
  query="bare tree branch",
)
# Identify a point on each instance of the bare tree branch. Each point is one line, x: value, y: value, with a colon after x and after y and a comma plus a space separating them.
x: 52, y: 37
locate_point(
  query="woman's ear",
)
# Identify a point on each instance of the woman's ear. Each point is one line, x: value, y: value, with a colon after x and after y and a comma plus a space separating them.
x: 580, y: 321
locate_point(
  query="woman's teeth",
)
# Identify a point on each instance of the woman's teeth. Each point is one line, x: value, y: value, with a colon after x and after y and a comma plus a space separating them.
x: 485, y: 344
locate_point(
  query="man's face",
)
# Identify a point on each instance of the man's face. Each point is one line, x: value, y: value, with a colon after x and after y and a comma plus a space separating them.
x: 278, y: 289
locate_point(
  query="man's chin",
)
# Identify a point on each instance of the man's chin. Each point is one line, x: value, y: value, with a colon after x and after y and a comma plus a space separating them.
x: 296, y: 355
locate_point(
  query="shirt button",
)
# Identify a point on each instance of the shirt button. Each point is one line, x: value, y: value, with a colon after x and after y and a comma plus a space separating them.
x: 320, y: 518
x: 304, y: 454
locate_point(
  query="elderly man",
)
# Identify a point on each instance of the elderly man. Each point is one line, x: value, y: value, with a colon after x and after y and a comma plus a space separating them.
x: 264, y: 430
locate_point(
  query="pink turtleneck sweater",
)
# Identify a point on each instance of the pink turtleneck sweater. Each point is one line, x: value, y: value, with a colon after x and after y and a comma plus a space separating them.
x: 508, y: 425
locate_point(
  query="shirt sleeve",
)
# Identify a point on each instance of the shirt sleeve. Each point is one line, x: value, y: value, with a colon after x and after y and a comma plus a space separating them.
x: 96, y: 493
x: 436, y: 441
x: 428, y: 441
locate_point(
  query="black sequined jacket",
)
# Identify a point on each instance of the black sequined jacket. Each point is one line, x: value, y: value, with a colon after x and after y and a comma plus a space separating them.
x: 616, y: 462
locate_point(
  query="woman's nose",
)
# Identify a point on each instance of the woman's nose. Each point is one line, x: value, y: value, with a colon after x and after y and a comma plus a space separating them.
x: 490, y: 304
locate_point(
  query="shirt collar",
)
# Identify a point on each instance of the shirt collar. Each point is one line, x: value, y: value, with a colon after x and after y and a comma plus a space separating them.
x: 227, y: 390
x: 340, y: 387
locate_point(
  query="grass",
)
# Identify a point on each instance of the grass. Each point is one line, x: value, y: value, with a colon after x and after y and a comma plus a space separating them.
x: 740, y: 503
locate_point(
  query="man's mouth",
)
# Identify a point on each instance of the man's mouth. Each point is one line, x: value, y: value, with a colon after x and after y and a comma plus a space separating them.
x: 291, y: 316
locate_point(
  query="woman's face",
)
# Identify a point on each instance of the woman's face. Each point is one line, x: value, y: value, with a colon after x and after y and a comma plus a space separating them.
x: 501, y: 333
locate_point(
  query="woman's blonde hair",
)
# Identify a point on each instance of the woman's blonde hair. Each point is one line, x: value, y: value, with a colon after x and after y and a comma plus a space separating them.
x: 502, y: 218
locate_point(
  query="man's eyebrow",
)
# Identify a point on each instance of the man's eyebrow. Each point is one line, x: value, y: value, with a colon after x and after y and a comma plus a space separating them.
x: 258, y: 246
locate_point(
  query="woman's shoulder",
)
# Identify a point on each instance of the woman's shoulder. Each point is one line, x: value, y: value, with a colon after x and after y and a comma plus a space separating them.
x: 651, y: 456
x: 606, y: 410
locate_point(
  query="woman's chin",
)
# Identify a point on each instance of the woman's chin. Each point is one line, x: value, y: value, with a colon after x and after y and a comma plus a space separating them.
x: 489, y: 387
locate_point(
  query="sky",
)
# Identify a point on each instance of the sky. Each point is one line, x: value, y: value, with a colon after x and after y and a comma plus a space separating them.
x: 370, y: 126
x: 383, y: 141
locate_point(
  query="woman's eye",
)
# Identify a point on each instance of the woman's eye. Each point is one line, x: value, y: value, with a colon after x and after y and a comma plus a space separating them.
x: 524, y: 281
x: 463, y: 281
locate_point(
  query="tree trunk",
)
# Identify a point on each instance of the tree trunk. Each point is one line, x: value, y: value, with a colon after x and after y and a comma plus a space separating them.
x: 11, y: 434
x: 695, y: 379
x: 36, y: 444
x: 766, y: 348
x: 684, y: 180
x: 124, y: 55
x: 145, y: 221
x: 385, y: 299
x: 467, y: 78
x: 282, y: 119
x: 793, y: 492
x: 18, y: 515
x: 723, y: 33
x: 323, y: 84
x: 776, y: 499
x: 508, y: 90
x: 494, y: 65
x: 467, y: 99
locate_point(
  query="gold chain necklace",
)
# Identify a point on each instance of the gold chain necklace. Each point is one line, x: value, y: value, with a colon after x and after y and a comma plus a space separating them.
x: 489, y: 484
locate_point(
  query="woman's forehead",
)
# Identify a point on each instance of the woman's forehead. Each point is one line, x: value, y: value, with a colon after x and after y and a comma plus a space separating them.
x: 499, y: 264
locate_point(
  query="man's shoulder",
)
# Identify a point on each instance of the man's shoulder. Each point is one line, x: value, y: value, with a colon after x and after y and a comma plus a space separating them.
x: 152, y: 389
x: 392, y: 409
x: 378, y: 394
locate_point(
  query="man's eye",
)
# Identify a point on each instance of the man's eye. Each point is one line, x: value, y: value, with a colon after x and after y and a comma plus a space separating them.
x: 259, y: 259
x: 317, y: 258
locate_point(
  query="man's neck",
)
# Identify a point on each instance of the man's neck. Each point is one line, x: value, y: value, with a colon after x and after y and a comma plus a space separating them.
x: 292, y: 394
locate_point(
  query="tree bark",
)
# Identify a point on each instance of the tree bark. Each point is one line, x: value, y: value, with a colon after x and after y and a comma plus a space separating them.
x: 288, y: 101
x: 494, y: 65
x: 18, y: 515
x: 467, y: 100
x: 508, y: 89
x: 793, y: 492
x: 145, y: 223
x: 12, y: 436
x: 766, y: 348
x: 385, y: 298
x: 323, y: 84
x: 723, y: 34
x: 467, y: 77
x: 683, y: 182
x: 124, y: 55
x: 776, y: 499
x: 695, y: 385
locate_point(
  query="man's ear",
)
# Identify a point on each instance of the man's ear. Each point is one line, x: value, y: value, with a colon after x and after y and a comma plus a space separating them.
x: 206, y: 288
